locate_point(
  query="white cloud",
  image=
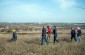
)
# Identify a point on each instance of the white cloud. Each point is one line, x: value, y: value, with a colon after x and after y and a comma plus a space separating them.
x: 65, y: 4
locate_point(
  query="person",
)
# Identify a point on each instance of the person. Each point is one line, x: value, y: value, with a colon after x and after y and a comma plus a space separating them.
x: 14, y: 38
x: 78, y: 34
x: 73, y: 34
x: 49, y: 32
x: 55, y: 34
x: 44, y: 36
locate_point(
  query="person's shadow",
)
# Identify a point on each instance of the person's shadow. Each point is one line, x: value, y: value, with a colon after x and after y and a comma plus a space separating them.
x: 65, y: 40
x: 34, y: 41
x: 11, y: 40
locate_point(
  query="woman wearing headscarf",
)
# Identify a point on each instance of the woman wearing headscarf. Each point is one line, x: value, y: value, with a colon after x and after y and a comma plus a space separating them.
x: 78, y: 34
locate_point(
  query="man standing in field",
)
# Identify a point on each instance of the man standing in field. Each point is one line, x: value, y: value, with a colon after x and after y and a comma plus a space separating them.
x: 73, y: 34
x: 55, y: 34
x: 14, y: 38
x: 49, y: 32
x: 44, y: 36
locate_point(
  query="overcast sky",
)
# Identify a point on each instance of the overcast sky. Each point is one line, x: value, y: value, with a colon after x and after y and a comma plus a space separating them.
x: 59, y: 11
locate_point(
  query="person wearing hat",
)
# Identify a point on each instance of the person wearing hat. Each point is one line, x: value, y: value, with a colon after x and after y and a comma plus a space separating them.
x: 55, y: 35
x: 14, y: 38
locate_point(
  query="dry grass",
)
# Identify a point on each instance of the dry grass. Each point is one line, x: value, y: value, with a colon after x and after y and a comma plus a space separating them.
x: 30, y: 45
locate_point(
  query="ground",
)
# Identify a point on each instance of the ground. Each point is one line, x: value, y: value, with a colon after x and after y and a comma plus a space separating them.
x: 29, y: 44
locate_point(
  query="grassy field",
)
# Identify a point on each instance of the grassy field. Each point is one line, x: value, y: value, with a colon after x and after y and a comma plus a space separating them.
x: 29, y: 44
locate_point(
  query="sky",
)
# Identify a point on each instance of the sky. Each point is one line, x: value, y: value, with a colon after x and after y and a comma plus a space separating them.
x: 58, y: 11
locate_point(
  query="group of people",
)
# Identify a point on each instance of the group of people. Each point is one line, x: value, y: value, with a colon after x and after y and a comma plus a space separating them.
x: 76, y: 34
x: 46, y: 34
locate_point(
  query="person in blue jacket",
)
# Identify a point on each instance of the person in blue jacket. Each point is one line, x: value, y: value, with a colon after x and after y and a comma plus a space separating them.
x: 14, y: 37
x: 55, y: 34
x: 44, y: 36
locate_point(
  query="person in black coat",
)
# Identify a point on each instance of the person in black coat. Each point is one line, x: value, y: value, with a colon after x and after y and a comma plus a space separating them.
x: 44, y: 36
x: 73, y: 34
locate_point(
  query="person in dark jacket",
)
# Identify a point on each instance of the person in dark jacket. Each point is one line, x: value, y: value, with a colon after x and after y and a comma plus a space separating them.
x: 73, y: 34
x: 14, y: 38
x: 44, y: 36
x: 55, y: 34
x: 78, y: 34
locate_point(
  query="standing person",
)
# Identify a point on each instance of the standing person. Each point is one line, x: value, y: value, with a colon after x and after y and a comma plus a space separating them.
x: 49, y: 32
x: 73, y: 34
x: 44, y: 36
x: 55, y: 34
x: 78, y: 34
x: 14, y: 38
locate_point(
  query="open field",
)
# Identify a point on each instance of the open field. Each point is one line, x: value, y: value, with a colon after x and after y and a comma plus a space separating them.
x: 29, y: 39
x: 29, y: 44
